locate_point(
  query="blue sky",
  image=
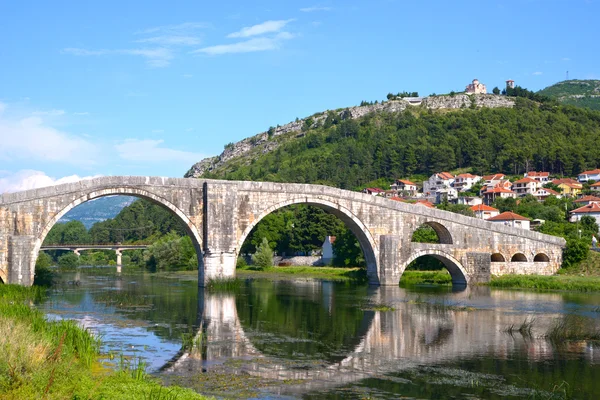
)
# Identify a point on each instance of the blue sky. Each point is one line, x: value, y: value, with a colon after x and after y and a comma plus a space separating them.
x: 149, y: 88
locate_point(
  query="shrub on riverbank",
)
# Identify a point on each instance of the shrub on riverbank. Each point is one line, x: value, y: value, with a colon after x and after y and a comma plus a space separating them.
x: 55, y: 359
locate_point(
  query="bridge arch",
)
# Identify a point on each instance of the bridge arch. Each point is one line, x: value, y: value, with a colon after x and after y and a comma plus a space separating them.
x: 352, y: 222
x: 497, y: 257
x: 441, y: 231
x: 455, y: 268
x: 115, y: 191
x: 518, y: 257
x: 541, y: 257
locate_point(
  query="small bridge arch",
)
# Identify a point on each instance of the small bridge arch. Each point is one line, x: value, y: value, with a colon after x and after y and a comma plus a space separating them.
x: 455, y: 268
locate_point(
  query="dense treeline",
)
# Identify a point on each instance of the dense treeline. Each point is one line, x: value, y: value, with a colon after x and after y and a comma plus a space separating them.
x: 347, y: 152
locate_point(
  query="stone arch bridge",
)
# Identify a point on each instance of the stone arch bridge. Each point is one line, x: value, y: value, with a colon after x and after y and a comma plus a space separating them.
x: 219, y: 215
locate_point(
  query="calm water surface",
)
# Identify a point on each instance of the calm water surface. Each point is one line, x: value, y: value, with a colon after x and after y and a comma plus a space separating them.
x: 314, y: 339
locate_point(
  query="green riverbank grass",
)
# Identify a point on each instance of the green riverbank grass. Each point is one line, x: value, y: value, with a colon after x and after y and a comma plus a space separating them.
x: 59, y: 359
x: 326, y: 273
x: 412, y: 278
x: 555, y: 282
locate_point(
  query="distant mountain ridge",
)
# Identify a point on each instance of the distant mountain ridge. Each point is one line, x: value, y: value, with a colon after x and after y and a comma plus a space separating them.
x: 580, y: 93
x: 98, y: 210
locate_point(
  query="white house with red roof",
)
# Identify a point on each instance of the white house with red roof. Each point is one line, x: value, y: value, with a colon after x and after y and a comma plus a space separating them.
x: 542, y: 177
x: 525, y: 186
x: 493, y: 180
x: 463, y: 182
x: 374, y: 191
x: 543, y: 193
x: 509, y: 218
x: 403, y: 185
x: 492, y: 194
x: 469, y: 200
x: 595, y: 187
x: 585, y: 200
x: 590, y: 175
x: 484, y: 212
x: 441, y: 180
x: 591, y: 209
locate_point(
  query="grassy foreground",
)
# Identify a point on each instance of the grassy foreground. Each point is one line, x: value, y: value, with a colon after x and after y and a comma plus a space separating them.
x: 42, y: 359
x: 556, y: 282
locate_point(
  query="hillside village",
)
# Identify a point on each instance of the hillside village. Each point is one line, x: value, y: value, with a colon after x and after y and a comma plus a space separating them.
x: 479, y: 193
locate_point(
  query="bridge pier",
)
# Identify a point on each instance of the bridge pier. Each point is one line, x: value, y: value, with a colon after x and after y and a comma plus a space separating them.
x: 20, y: 259
x: 77, y: 252
x: 119, y: 260
x: 389, y: 262
x: 217, y: 265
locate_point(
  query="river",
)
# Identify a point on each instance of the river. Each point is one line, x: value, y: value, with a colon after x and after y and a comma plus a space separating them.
x: 314, y: 339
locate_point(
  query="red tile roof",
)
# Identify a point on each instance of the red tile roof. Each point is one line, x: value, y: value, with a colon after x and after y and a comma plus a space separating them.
x: 445, y: 175
x: 525, y: 180
x: 508, y: 216
x: 590, y: 208
x: 466, y: 176
x: 498, y: 190
x: 425, y: 203
x: 591, y: 172
x: 396, y: 198
x: 565, y: 180
x: 405, y: 182
x: 597, y: 184
x: 534, y: 173
x: 483, y: 207
x: 550, y: 191
x: 587, y: 199
x: 375, y: 190
x: 495, y: 177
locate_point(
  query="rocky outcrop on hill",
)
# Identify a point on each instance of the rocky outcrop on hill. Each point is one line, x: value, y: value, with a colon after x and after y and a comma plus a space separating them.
x: 265, y: 142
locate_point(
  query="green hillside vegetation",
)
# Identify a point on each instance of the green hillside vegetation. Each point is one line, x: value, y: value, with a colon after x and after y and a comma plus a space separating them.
x: 581, y: 93
x: 348, y: 153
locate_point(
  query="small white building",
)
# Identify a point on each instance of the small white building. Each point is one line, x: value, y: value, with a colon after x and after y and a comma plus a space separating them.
x: 403, y: 186
x: 543, y: 193
x: 586, y: 200
x: 492, y: 194
x: 525, y: 186
x: 464, y: 182
x: 441, y: 180
x: 509, y: 218
x: 449, y: 194
x: 592, y: 210
x: 589, y: 175
x: 469, y: 200
x: 542, y: 177
x: 327, y: 250
x: 493, y: 180
x: 482, y: 211
x: 595, y: 187
x: 475, y: 87
x: 374, y: 191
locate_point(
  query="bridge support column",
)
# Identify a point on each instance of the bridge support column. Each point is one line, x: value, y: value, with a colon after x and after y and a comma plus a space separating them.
x: 21, y: 265
x: 119, y: 260
x: 77, y: 253
x: 389, y: 260
x: 478, y: 266
x: 217, y: 265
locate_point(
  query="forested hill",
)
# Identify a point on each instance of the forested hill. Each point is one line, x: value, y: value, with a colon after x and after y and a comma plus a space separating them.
x: 349, y: 152
x: 582, y: 93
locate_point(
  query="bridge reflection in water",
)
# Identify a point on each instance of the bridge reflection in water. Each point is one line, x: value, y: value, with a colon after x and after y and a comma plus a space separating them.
x: 414, y: 333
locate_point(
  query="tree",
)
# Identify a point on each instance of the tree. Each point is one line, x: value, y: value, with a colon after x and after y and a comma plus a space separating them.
x: 68, y: 261
x: 589, y: 225
x: 347, y: 251
x: 263, y: 258
x: 496, y: 90
x: 43, y: 260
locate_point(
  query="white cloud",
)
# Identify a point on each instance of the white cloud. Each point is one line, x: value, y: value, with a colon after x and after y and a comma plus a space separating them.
x: 30, y: 179
x: 31, y: 138
x: 174, y: 29
x: 158, y: 57
x: 2, y: 108
x: 152, y: 151
x: 260, y: 29
x: 537, y: 73
x: 248, y: 46
x: 50, y: 113
x: 315, y: 8
x: 172, y: 40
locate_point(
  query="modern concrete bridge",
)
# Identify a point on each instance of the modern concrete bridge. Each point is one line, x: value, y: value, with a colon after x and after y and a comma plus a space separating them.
x: 78, y: 248
x: 219, y: 215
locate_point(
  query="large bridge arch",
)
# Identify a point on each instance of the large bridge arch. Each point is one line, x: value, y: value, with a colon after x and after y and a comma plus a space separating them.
x: 352, y: 222
x: 455, y: 268
x: 116, y: 191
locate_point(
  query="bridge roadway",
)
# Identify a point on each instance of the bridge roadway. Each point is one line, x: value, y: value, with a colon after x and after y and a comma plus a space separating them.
x: 414, y: 334
x: 78, y: 248
x: 219, y: 215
